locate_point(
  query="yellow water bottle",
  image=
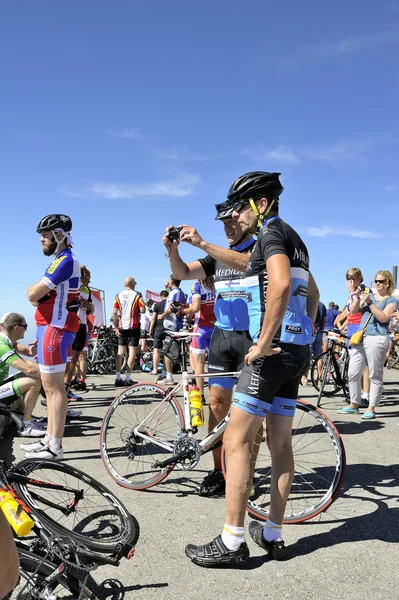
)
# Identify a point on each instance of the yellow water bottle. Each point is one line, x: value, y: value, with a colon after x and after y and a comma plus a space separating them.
x: 196, y: 410
x: 19, y: 520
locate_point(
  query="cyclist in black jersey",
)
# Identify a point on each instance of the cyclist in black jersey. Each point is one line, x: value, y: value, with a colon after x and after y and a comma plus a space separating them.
x: 282, y: 300
x: 230, y: 340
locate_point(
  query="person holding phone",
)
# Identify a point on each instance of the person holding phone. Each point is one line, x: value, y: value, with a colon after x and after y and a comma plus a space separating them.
x: 377, y: 310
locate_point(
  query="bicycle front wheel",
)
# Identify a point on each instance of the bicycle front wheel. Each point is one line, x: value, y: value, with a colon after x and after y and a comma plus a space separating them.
x: 129, y: 458
x: 76, y: 506
x: 328, y: 382
x: 319, y: 459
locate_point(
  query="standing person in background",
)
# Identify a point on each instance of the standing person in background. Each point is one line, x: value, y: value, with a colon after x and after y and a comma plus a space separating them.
x: 145, y: 320
x: 349, y: 323
x: 157, y: 330
x: 332, y: 314
x: 317, y: 346
x: 56, y: 297
x: 202, y: 303
x: 128, y: 305
x: 86, y: 308
x: 377, y: 310
x: 171, y: 321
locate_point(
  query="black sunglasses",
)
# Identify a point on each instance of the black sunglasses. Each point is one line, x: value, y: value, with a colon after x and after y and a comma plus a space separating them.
x: 24, y: 325
x: 379, y: 280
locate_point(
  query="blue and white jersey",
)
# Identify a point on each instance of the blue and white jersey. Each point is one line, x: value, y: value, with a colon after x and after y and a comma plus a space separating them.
x: 276, y: 237
x: 172, y: 321
x: 231, y: 308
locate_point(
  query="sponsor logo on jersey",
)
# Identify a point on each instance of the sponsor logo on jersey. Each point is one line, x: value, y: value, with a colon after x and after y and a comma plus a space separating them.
x: 301, y: 290
x: 293, y: 329
x: 50, y: 349
x: 55, y: 264
x: 300, y: 255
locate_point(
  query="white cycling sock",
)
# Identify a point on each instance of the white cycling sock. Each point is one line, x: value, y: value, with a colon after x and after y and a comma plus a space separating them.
x: 118, y: 375
x: 169, y: 375
x: 366, y: 396
x: 55, y: 444
x: 232, y: 537
x: 272, y: 531
x: 47, y: 438
x: 127, y: 376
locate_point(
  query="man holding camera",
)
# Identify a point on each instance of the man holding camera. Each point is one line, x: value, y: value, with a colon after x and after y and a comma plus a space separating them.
x: 230, y: 339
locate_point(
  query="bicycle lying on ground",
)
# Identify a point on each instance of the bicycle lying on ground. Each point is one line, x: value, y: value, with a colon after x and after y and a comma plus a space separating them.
x: 146, y: 433
x: 329, y: 370
x: 76, y: 519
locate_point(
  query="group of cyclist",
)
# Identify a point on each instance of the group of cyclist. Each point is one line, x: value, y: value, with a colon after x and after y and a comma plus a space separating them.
x: 254, y: 303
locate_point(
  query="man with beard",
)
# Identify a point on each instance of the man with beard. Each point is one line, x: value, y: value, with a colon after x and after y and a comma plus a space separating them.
x: 56, y: 297
x: 230, y: 339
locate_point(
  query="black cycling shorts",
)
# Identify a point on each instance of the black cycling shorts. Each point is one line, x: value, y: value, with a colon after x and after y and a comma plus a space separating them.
x: 129, y: 337
x: 80, y: 338
x: 226, y: 353
x: 143, y: 334
x: 271, y: 383
x: 159, y: 336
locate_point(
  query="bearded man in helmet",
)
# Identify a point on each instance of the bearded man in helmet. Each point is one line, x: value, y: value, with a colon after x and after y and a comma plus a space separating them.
x: 56, y: 297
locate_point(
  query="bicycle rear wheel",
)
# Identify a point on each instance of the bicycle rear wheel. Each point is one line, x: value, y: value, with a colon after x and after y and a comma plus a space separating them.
x: 319, y: 459
x: 128, y: 458
x: 86, y: 511
x: 34, y: 570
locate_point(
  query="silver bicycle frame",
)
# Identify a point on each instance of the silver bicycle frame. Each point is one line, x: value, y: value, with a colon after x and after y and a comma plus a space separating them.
x: 188, y: 431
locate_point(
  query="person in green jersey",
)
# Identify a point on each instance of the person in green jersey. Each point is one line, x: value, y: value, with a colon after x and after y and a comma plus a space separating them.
x: 27, y: 381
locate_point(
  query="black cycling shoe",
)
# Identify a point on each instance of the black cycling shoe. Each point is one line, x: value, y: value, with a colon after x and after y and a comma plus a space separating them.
x: 216, y: 554
x: 274, y: 549
x: 213, y: 484
x: 364, y: 403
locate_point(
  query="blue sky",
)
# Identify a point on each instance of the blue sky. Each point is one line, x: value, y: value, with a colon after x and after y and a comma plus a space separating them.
x: 130, y: 116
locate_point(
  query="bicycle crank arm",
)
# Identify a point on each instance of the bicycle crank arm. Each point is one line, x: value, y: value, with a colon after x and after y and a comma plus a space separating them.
x: 172, y: 459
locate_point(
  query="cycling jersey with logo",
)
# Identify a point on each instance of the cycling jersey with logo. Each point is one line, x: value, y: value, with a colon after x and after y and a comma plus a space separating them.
x: 128, y: 303
x: 85, y: 294
x: 276, y: 237
x: 205, y: 317
x: 172, y: 321
x: 231, y: 310
x: 60, y: 306
x: 7, y: 356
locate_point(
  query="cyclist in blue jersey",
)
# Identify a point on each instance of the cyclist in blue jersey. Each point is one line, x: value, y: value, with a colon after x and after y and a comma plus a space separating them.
x: 230, y: 340
x: 282, y: 302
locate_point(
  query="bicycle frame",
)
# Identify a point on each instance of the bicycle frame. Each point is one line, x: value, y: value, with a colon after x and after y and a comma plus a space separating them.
x: 205, y: 444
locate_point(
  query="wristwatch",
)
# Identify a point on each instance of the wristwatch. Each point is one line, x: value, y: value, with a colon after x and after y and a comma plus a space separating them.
x: 369, y: 303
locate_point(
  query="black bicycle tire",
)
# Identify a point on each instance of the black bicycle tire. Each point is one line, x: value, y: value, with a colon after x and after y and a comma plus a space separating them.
x: 336, y: 483
x: 116, y: 476
x: 128, y: 528
x: 30, y: 562
x: 324, y: 375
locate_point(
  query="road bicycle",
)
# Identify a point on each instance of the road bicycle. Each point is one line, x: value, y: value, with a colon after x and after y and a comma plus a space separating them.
x: 146, y: 433
x: 102, y: 351
x: 334, y: 367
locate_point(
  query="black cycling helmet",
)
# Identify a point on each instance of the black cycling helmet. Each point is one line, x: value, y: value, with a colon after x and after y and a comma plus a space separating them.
x: 51, y: 222
x: 224, y: 210
x: 255, y: 184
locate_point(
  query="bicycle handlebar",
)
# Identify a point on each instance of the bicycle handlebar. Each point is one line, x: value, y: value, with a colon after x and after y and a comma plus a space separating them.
x: 334, y: 331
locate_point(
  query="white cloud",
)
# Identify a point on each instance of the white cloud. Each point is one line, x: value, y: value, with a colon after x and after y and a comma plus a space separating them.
x: 133, y: 133
x: 178, y: 187
x: 352, y: 150
x: 391, y: 188
x: 342, y: 48
x: 325, y: 231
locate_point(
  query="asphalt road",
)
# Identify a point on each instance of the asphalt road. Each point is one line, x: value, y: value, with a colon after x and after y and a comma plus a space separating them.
x: 351, y: 551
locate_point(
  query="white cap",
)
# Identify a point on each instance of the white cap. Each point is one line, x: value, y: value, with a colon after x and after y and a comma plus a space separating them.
x: 3, y: 317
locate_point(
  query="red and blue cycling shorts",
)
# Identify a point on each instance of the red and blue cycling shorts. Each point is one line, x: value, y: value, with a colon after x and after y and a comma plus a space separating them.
x: 200, y: 344
x: 54, y: 348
